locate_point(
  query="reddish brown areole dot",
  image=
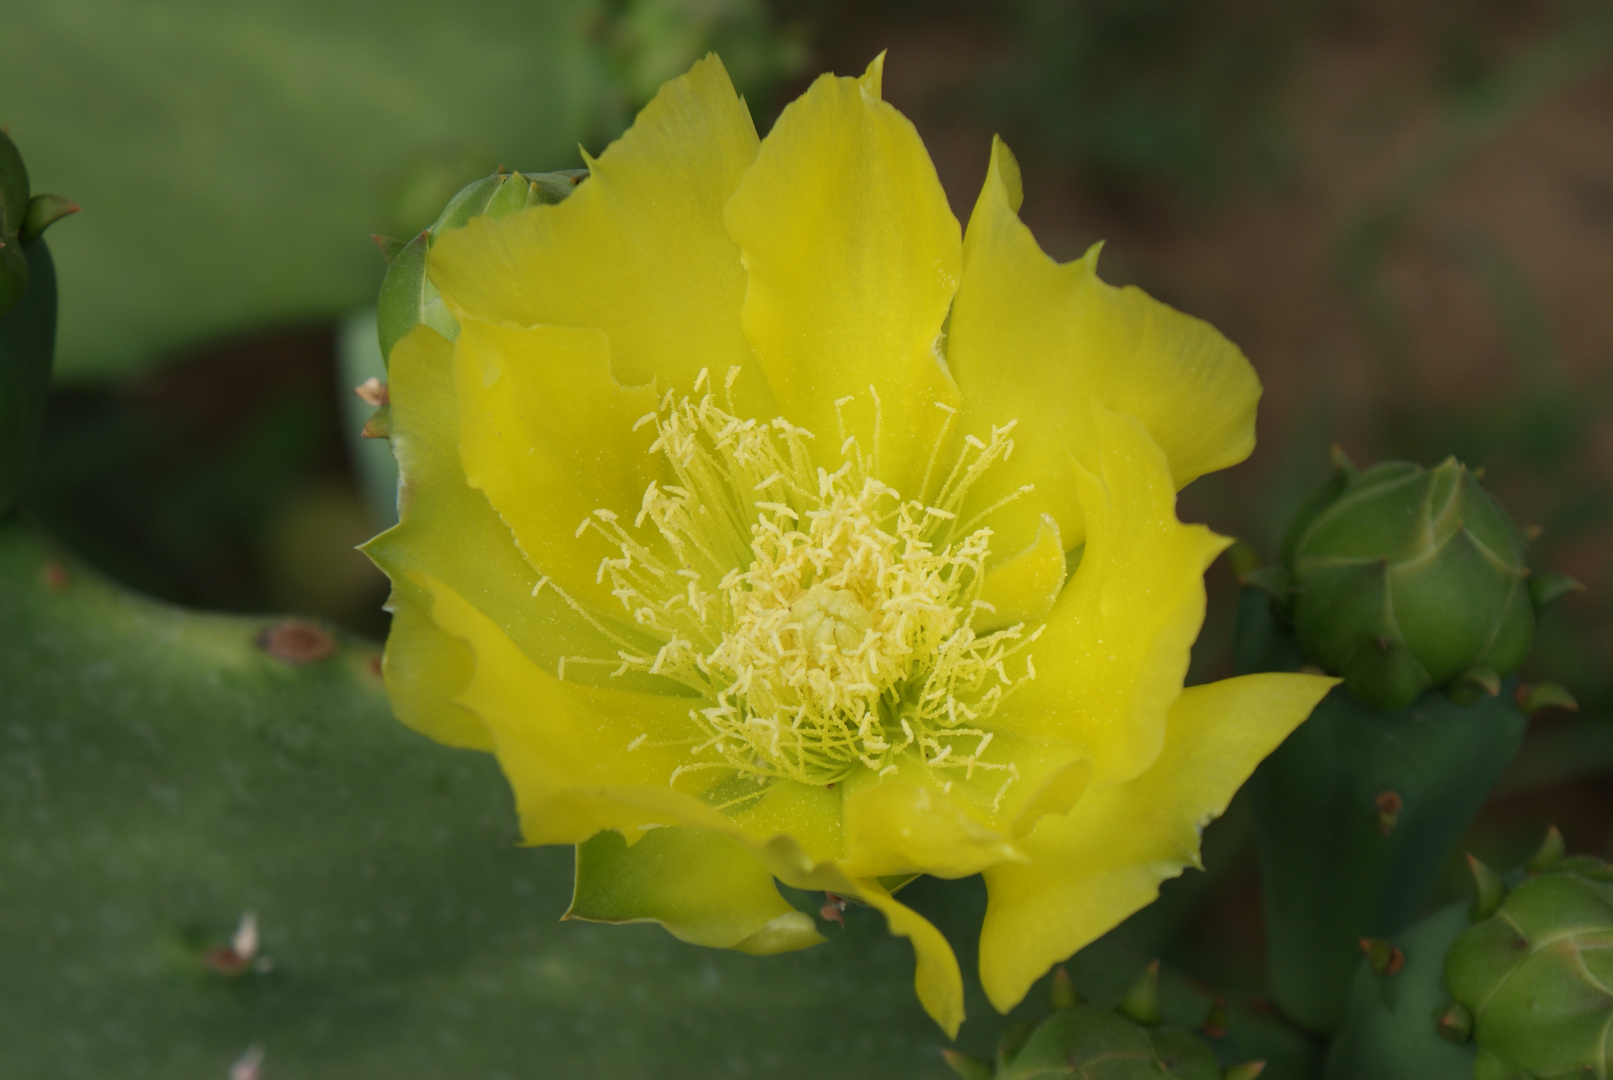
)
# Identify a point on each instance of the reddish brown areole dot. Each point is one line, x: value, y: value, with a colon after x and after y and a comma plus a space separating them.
x: 55, y: 576
x: 296, y: 642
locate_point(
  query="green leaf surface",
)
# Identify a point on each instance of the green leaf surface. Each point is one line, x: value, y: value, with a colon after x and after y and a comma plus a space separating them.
x: 163, y: 774
x: 233, y: 159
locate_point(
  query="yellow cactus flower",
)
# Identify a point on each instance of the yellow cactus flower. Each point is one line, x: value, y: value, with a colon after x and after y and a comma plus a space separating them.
x: 769, y: 527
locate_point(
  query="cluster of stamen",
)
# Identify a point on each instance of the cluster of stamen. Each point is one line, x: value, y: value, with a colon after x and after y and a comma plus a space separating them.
x: 827, y: 622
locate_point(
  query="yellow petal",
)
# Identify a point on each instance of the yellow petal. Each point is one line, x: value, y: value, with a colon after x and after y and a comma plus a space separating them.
x: 547, y: 434
x: 425, y: 670
x: 638, y: 250
x: 1023, y: 587
x: 1115, y: 648
x: 853, y: 257
x: 579, y: 758
x: 937, y: 979
x: 448, y: 530
x: 812, y: 817
x: 1102, y: 861
x: 703, y: 887
x: 1031, y: 340
x: 896, y: 827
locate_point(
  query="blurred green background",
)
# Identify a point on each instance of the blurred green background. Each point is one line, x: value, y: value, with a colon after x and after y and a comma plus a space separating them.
x: 1402, y: 212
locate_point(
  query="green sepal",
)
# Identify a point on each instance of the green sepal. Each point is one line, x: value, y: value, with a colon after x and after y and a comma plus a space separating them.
x: 379, y: 425
x: 43, y: 212
x: 1383, y: 957
x: 389, y: 245
x: 470, y: 201
x: 1385, y: 674
x: 509, y: 196
x: 1546, y: 587
x: 1012, y: 1041
x: 1455, y: 1023
x: 13, y: 187
x: 553, y: 187
x: 1549, y: 854
x: 1141, y: 1003
x: 1489, y: 890
x: 965, y: 1066
x: 408, y: 298
x: 1062, y: 991
x: 1533, y: 698
x: 1249, y: 1070
x: 1474, y: 683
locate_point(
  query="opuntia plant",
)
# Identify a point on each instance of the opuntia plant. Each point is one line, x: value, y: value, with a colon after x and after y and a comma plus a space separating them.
x: 1386, y: 572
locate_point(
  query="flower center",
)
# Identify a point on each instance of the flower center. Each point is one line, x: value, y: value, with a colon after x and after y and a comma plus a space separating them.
x: 828, y: 622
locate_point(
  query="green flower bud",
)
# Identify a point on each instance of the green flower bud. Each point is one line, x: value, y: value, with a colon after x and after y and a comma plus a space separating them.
x: 1536, y: 975
x: 1085, y: 1041
x: 1403, y: 579
x: 1129, y: 1042
x: 407, y: 297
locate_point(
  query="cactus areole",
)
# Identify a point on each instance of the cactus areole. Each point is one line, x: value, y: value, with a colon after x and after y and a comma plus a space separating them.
x: 1403, y: 579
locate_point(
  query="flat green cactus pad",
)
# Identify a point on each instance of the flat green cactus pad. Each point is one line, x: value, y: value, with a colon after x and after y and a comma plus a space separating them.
x: 161, y: 774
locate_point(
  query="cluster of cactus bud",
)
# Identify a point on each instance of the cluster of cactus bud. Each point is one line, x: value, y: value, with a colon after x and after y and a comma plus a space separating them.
x: 1401, y: 579
x: 1129, y: 1042
x: 1532, y: 978
x: 27, y: 316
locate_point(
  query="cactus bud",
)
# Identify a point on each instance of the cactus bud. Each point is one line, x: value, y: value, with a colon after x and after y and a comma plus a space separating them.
x: 1086, y: 1041
x: 1407, y: 578
x: 407, y: 297
x: 1535, y: 974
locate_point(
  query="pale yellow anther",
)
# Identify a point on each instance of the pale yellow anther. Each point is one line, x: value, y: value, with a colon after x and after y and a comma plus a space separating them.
x: 838, y: 634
